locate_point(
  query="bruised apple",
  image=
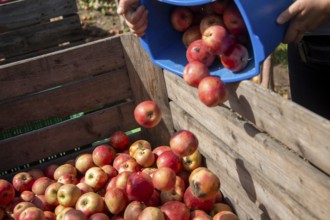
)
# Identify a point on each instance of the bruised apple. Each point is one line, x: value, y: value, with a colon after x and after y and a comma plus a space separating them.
x: 194, y: 202
x: 235, y: 58
x: 194, y: 72
x: 212, y: 91
x: 204, y: 183
x: 199, y: 51
x: 147, y: 114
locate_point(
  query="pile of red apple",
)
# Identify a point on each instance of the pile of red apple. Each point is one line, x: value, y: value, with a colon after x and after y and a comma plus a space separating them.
x: 121, y: 180
x: 211, y: 32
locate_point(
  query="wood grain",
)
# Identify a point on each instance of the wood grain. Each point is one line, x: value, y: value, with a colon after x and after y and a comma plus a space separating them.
x: 24, y: 13
x: 302, y: 181
x: 61, y: 67
x: 61, y: 137
x: 251, y: 193
x: 148, y: 82
x: 82, y: 96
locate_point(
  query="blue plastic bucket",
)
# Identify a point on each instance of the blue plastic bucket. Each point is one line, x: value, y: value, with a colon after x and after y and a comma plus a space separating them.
x: 165, y: 48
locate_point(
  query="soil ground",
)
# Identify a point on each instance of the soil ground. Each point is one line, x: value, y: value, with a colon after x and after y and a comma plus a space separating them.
x: 98, y: 25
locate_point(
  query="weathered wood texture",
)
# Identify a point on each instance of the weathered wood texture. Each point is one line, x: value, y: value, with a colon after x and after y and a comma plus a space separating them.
x: 29, y: 27
x: 143, y: 71
x: 281, y: 182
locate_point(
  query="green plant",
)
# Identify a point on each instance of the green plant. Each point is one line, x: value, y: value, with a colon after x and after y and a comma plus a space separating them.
x: 280, y: 55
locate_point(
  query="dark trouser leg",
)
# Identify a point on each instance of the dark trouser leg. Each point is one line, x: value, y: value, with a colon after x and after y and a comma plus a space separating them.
x: 309, y: 84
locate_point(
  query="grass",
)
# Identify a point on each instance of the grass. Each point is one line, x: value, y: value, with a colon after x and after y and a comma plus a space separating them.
x: 280, y: 55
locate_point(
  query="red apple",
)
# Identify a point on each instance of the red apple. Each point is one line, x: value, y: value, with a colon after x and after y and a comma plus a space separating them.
x: 225, y: 215
x: 218, y: 6
x: 151, y: 213
x: 199, y: 51
x: 235, y: 58
x: 139, y: 187
x: 217, y: 38
x: 183, y: 143
x: 27, y: 195
x: 20, y: 207
x: 119, y: 181
x: 144, y: 157
x: 51, y: 193
x: 64, y: 169
x: 68, y: 178
x: 84, y: 188
x: 133, y: 209
x: 90, y: 203
x: 198, y: 214
x: 204, y: 183
x: 40, y: 202
x: 116, y: 200
x: 74, y: 214
x: 49, y: 215
x: 171, y: 160
x: 61, y: 213
x: 50, y: 170
x: 176, y: 194
x: 32, y: 213
x: 22, y: 181
x: 212, y: 91
x: 7, y: 192
x: 40, y: 185
x: 129, y: 165
x: 175, y: 210
x: 36, y: 173
x: 119, y: 140
x: 139, y: 144
x: 194, y: 202
x: 68, y: 194
x: 96, y: 177
x: 192, y: 161
x: 120, y: 159
x: 147, y: 114
x: 210, y: 20
x: 161, y: 149
x: 233, y: 19
x: 103, y: 154
x: 154, y: 199
x: 194, y: 72
x: 191, y: 34
x: 149, y: 170
x: 164, y: 179
x: 110, y: 171
x: 83, y: 162
x: 218, y: 207
x: 181, y: 18
x: 99, y: 216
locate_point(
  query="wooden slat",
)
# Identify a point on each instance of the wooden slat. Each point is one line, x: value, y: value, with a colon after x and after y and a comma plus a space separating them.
x: 253, y: 195
x: 40, y: 36
x: 148, y: 82
x: 23, y: 13
x: 298, y: 128
x: 39, y: 73
x: 65, y: 136
x: 89, y: 94
x: 301, y: 181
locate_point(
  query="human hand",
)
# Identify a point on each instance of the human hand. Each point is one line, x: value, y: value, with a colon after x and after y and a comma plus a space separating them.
x: 304, y: 16
x: 136, y: 16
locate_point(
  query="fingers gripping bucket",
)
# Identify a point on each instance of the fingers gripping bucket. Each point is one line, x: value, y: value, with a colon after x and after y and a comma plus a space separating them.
x: 165, y: 48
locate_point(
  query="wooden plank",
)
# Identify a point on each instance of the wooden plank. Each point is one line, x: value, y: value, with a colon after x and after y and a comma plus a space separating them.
x: 40, y: 36
x: 253, y: 195
x: 39, y: 73
x: 23, y: 13
x: 83, y: 96
x: 300, y: 129
x: 148, y: 82
x: 65, y: 136
x: 302, y: 181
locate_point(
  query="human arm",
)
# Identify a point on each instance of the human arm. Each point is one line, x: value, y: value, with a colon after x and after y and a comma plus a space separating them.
x: 304, y: 16
x: 135, y: 16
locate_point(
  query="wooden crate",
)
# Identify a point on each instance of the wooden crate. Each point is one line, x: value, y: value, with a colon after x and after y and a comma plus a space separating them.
x: 34, y: 27
x: 271, y: 155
